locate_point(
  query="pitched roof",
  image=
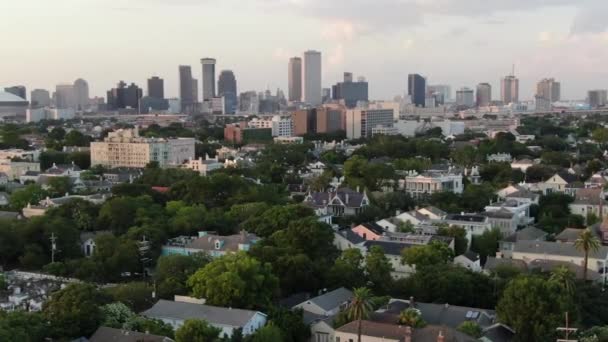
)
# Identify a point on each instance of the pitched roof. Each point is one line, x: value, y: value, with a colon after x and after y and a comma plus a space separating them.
x: 445, y: 314
x: 492, y: 263
x: 389, y: 247
x: 568, y: 177
x: 550, y: 265
x: 332, y: 299
x: 588, y: 196
x: 351, y: 236
x: 527, y: 234
x: 373, y: 227
x: 212, y: 314
x: 349, y: 197
x: 398, y: 332
x: 557, y: 248
x: 523, y: 193
x: 227, y: 243
x: 105, y: 334
x: 471, y: 255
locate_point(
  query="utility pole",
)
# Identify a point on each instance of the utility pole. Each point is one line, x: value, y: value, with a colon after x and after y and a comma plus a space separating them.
x: 54, y: 249
x: 567, y: 331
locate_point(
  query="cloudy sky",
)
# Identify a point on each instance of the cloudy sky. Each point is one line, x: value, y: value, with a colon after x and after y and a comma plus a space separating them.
x: 458, y: 42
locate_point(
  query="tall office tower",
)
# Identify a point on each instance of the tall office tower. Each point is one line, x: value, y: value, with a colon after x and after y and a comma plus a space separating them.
x: 195, y: 90
x: 348, y: 77
x: 123, y: 96
x: 156, y: 87
x: 295, y: 79
x: 226, y: 88
x: 17, y: 91
x: 548, y: 89
x: 350, y: 92
x: 597, y: 98
x: 81, y: 94
x: 443, y: 89
x: 311, y: 78
x: 40, y: 98
x: 185, y: 88
x: 226, y: 83
x: 509, y: 89
x: 65, y: 96
x: 465, y: 97
x: 416, y: 89
x: 208, y: 78
x: 484, y: 94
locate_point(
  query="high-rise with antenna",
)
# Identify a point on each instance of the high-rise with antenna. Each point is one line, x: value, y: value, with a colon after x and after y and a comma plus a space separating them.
x: 509, y: 88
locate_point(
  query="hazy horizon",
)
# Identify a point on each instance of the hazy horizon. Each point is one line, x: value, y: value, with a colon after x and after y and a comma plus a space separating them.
x: 455, y: 42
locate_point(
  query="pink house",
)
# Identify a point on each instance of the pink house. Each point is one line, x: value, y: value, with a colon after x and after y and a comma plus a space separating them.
x: 369, y: 231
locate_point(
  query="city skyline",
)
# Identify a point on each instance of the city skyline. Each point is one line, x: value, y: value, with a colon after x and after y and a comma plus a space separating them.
x: 454, y: 50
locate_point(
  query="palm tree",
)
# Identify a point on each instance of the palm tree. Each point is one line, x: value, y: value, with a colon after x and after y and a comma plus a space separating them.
x: 360, y: 307
x: 564, y: 278
x: 587, y: 242
x: 411, y: 318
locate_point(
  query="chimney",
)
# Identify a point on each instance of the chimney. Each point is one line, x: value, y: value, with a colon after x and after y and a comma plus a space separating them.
x: 440, y: 338
x: 408, y: 335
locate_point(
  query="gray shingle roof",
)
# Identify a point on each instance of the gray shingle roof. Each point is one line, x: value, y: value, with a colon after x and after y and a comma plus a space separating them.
x: 526, y: 234
x: 556, y: 248
x: 212, y: 314
x: 332, y: 299
x: 445, y: 314
x: 105, y: 334
x: 492, y: 263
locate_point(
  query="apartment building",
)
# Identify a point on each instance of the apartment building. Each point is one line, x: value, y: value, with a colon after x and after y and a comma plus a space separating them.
x: 125, y: 148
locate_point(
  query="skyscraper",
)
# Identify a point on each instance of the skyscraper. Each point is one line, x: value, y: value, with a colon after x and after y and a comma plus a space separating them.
x: 65, y: 96
x: 443, y: 89
x: 484, y: 94
x: 597, y: 98
x: 17, y: 91
x: 208, y: 78
x: 416, y: 89
x: 226, y: 83
x: 548, y: 89
x: 349, y: 91
x: 194, y: 91
x: 81, y: 94
x: 123, y: 96
x: 295, y: 79
x: 509, y: 89
x: 465, y: 97
x: 156, y: 87
x: 40, y: 98
x: 311, y: 78
x: 226, y: 88
x: 185, y: 88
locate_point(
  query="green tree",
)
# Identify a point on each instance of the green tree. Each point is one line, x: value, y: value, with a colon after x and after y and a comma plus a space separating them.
x: 427, y: 255
x: 268, y: 333
x: 135, y: 295
x: 59, y: 186
x: 544, y: 308
x: 150, y: 326
x: 115, y: 315
x: 74, y: 311
x: 600, y: 135
x: 486, y: 244
x: 470, y: 328
x: 378, y: 269
x: 276, y: 218
x: 235, y: 280
x: 412, y: 318
x: 348, y: 270
x: 23, y: 326
x: 196, y: 330
x: 460, y: 237
x: 360, y: 308
x: 291, y: 324
x: 173, y: 271
x: 30, y: 194
x: 587, y: 243
x: 564, y: 279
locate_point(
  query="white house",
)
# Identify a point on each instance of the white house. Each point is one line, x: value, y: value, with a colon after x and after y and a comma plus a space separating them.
x: 203, y: 167
x: 176, y: 313
x: 469, y: 260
